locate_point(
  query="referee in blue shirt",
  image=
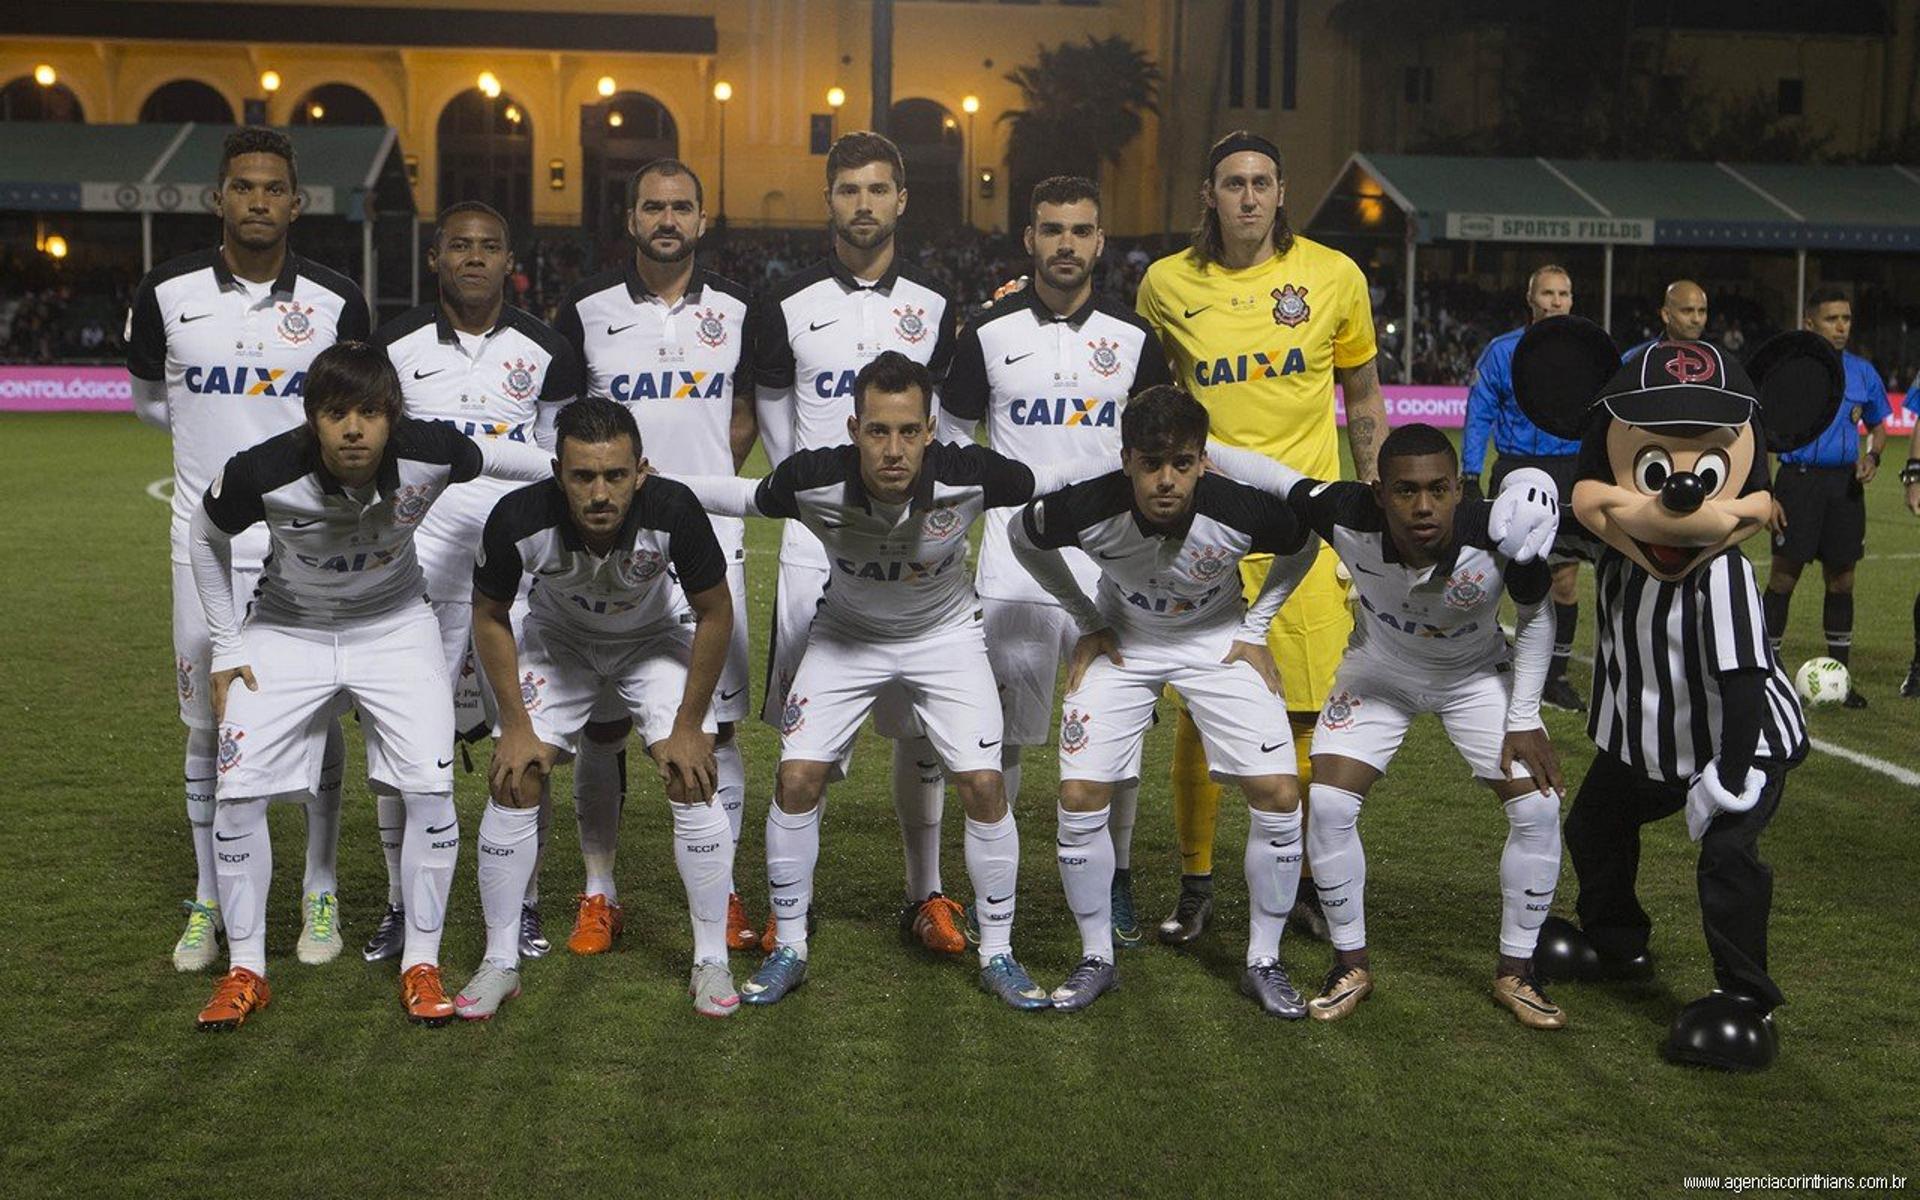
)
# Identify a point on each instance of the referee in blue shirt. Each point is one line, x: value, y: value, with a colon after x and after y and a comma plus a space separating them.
x: 1493, y: 413
x: 1819, y: 491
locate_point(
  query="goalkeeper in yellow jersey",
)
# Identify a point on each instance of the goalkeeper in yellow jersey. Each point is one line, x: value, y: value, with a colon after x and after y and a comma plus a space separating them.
x: 1259, y: 324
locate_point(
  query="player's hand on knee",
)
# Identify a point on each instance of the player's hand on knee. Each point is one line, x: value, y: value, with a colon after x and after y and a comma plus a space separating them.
x: 1260, y: 658
x: 520, y: 761
x: 1913, y: 498
x: 1777, y: 523
x: 1534, y: 751
x: 222, y: 680
x: 1101, y: 642
x: 686, y: 755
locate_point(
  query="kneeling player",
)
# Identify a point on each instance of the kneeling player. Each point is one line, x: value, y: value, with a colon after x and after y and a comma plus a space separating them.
x: 1429, y: 574
x: 1169, y: 538
x: 606, y: 621
x: 899, y: 612
x: 340, y: 612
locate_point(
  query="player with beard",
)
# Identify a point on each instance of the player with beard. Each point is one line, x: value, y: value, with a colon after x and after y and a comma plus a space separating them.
x: 668, y: 339
x: 218, y: 346
x: 812, y: 334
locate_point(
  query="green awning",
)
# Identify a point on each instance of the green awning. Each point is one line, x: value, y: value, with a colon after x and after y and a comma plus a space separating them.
x: 1697, y: 204
x: 345, y: 171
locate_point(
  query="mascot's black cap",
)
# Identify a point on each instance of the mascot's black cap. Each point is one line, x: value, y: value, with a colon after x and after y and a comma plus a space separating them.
x: 1680, y: 383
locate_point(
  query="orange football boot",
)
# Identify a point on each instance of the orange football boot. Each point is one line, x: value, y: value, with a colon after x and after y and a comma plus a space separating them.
x: 424, y: 996
x: 236, y: 996
x: 597, y: 925
x: 740, y: 934
x: 937, y: 925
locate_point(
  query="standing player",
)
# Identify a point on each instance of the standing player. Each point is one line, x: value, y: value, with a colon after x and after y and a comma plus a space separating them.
x: 1910, y: 477
x: 218, y: 345
x: 1430, y: 572
x: 1169, y: 538
x: 668, y: 339
x: 1260, y: 324
x: 1492, y: 410
x: 1050, y: 367
x: 899, y: 617
x: 1683, y: 315
x: 813, y: 333
x: 339, y: 613
x: 1819, y: 492
x: 490, y: 370
x: 613, y: 552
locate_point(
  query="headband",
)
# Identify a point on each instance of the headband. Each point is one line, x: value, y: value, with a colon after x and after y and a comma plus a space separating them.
x: 1238, y: 142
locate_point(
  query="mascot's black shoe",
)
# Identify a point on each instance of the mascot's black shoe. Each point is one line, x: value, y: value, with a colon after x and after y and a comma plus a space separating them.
x: 1724, y: 1031
x: 1565, y: 954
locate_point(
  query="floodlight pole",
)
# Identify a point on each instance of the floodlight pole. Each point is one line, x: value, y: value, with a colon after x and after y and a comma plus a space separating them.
x: 1606, y: 288
x: 1406, y: 345
x: 1800, y: 285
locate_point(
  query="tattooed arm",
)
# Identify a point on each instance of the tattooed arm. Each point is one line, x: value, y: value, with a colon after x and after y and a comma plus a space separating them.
x: 1366, y: 416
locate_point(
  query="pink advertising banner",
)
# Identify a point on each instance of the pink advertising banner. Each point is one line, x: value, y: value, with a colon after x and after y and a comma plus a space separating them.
x: 56, y: 388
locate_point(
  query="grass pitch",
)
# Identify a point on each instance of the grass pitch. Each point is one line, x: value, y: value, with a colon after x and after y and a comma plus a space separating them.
x: 889, y: 1073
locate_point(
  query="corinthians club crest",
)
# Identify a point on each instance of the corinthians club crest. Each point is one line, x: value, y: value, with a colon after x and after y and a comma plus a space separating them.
x: 643, y: 564
x: 793, y: 714
x: 943, y: 523
x: 530, y: 685
x: 1210, y: 563
x: 1465, y: 590
x: 712, y: 328
x: 230, y: 739
x: 1073, y: 730
x: 296, y: 322
x: 411, y: 504
x: 913, y: 323
x: 519, y: 383
x: 1339, y: 711
x: 1106, y: 358
x: 1290, y: 305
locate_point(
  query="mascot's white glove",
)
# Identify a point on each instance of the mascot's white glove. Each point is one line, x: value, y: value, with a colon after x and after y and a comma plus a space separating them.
x: 1706, y: 798
x: 1526, y: 514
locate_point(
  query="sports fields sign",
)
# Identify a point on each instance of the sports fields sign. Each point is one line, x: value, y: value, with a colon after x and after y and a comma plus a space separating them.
x: 1533, y: 227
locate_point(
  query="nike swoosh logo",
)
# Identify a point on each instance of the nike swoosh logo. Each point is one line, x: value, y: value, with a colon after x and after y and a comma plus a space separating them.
x: 443, y: 764
x: 1531, y: 892
x: 1266, y: 749
x: 1014, y: 358
x: 835, y: 524
x: 554, y: 571
x: 1331, y: 887
x: 419, y: 374
x: 1000, y: 899
x: 777, y: 886
x: 816, y: 328
x: 221, y: 837
x: 302, y: 524
x: 186, y: 320
x: 612, y: 332
x: 1194, y: 312
x: 1102, y: 554
x: 1365, y: 570
x: 449, y: 824
x: 986, y: 745
x: 1519, y: 999
x: 730, y: 695
x: 1336, y: 997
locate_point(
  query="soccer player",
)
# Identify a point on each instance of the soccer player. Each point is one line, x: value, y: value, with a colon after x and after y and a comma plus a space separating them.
x: 1430, y: 573
x: 218, y: 346
x: 1493, y: 412
x: 339, y: 613
x: 1819, y: 492
x: 1169, y: 538
x: 899, y: 617
x: 1260, y: 324
x: 812, y: 335
x: 1683, y: 315
x: 489, y: 370
x: 1910, y: 477
x: 620, y: 560
x: 668, y: 339
x: 1050, y: 368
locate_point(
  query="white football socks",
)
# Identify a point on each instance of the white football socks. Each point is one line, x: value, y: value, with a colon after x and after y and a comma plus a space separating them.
x: 201, y: 771
x: 1339, y: 864
x: 793, y: 850
x: 703, y: 850
x: 1273, y: 878
x: 509, y: 846
x: 390, y: 815
x: 1126, y: 806
x: 243, y: 858
x: 993, y: 866
x: 323, y: 817
x: 730, y: 791
x: 1529, y: 870
x: 426, y: 872
x: 1085, y: 854
x: 596, y: 804
x: 919, y: 796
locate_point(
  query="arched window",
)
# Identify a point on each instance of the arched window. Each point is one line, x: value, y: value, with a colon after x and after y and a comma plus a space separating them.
x: 187, y: 100
x: 25, y: 100
x: 337, y: 104
x: 933, y: 148
x: 486, y: 153
x: 618, y: 136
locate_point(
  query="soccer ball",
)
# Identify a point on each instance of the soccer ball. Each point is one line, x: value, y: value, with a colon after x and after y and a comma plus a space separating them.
x: 1822, y: 681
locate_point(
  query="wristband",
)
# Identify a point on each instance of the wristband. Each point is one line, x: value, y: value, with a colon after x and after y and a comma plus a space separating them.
x: 1875, y: 456
x: 1911, y: 472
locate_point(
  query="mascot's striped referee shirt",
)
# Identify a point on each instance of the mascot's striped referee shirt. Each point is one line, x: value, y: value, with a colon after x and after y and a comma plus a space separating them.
x: 1662, y: 649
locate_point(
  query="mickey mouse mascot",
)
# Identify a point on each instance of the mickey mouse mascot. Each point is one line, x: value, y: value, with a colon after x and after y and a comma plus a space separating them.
x: 1691, y: 710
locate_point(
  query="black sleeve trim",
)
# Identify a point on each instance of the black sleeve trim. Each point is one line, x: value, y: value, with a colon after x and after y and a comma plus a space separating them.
x: 404, y: 324
x: 966, y: 391
x: 698, y: 561
x: 518, y: 514
x: 147, y: 335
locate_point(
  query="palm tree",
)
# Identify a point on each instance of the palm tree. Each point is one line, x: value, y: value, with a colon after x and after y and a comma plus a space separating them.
x: 1083, y: 103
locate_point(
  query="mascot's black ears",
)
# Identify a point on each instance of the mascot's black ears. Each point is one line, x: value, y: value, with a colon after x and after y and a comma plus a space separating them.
x: 1563, y: 365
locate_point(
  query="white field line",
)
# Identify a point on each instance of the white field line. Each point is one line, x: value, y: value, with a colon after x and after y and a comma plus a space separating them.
x: 161, y: 490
